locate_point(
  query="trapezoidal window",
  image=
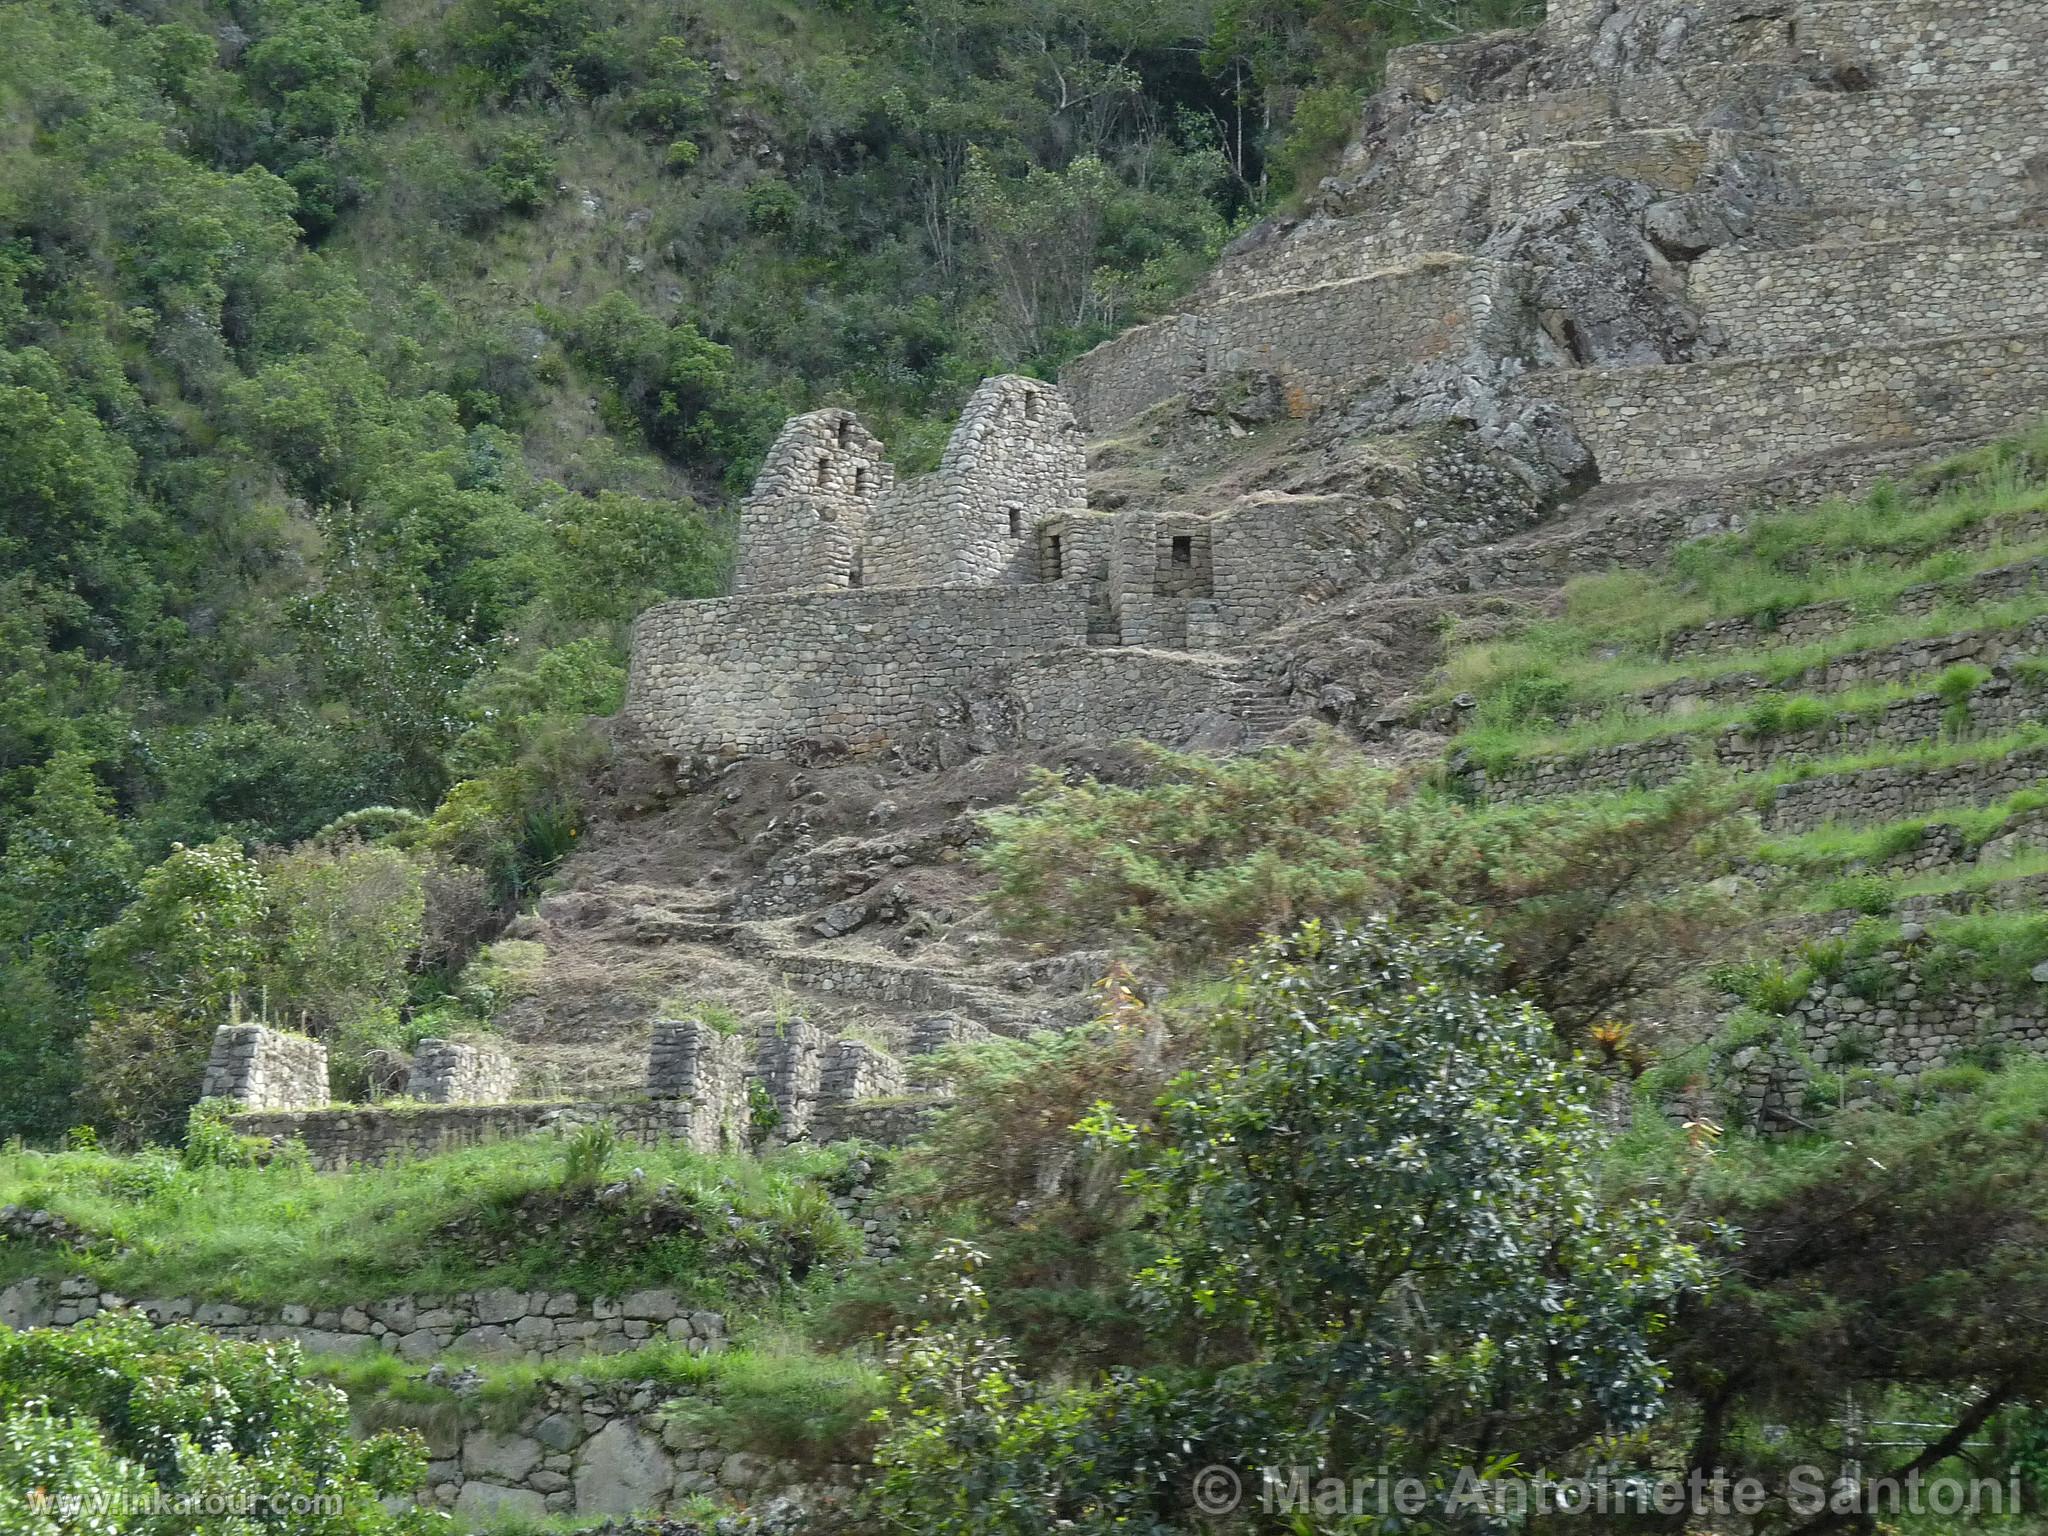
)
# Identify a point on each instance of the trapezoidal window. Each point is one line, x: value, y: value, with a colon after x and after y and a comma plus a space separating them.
x: 1031, y: 405
x: 1054, y: 562
x: 860, y: 482
x: 1016, y: 523
x: 824, y: 470
x: 1183, y: 551
x: 845, y: 430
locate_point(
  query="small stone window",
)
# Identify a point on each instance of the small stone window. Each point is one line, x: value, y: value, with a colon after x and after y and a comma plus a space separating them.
x: 860, y: 481
x: 845, y: 431
x: 1183, y: 551
x: 1055, y: 563
x: 1031, y: 405
x: 1016, y: 523
x: 824, y: 470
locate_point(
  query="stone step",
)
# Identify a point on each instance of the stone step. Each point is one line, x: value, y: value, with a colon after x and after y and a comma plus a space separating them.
x: 1748, y: 413
x: 1895, y: 663
x: 1869, y: 796
x: 1816, y: 298
x: 1798, y: 626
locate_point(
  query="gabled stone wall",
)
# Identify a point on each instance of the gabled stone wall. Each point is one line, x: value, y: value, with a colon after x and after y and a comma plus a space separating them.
x: 803, y: 526
x: 1015, y: 457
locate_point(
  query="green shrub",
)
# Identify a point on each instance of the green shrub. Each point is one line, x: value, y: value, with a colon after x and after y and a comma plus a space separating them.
x: 114, y: 1409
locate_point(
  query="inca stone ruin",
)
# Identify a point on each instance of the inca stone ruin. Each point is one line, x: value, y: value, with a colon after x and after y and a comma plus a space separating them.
x: 1573, y: 296
x: 1647, y: 247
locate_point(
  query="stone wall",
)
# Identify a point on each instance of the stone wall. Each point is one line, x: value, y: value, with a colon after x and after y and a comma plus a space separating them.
x: 803, y: 525
x: 1932, y: 40
x: 339, y: 1139
x: 489, y: 1324
x: 1015, y: 457
x: 603, y: 1448
x: 1134, y: 371
x: 260, y: 1068
x: 705, y: 1073
x: 1812, y: 299
x: 1743, y: 413
x: 450, y: 1072
x: 1906, y: 659
x: 1894, y: 792
x: 1328, y: 339
x: 763, y: 674
x: 1816, y: 621
x: 1973, y: 145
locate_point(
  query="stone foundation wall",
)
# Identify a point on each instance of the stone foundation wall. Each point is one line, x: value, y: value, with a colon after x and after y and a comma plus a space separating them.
x: 491, y: 1324
x: 350, y: 1137
x: 762, y: 674
x: 1111, y: 694
x: 261, y: 1068
x: 878, y: 1122
x: 449, y: 1072
x: 1744, y: 413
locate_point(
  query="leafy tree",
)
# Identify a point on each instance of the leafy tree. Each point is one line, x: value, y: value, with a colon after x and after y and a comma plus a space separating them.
x: 343, y: 927
x: 66, y: 870
x: 1891, y: 1268
x: 178, y: 1433
x: 1377, y: 1197
x: 189, y: 941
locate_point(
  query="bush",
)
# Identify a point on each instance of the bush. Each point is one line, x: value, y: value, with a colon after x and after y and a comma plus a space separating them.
x: 1594, y: 900
x: 112, y: 1408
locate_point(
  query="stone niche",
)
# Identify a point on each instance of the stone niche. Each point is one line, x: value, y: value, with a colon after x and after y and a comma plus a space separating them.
x: 255, y: 1067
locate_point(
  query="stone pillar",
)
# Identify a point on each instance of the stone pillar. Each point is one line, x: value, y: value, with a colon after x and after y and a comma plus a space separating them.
x: 786, y: 1060
x: 258, y: 1068
x: 692, y: 1064
x: 448, y: 1072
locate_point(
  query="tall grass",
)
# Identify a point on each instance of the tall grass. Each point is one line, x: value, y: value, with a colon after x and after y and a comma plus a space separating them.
x: 455, y: 1222
x: 1608, y: 639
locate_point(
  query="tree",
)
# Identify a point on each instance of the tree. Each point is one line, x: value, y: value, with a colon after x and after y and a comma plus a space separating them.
x: 1385, y: 1180
x: 1376, y: 1198
x: 113, y: 1425
x: 1896, y: 1265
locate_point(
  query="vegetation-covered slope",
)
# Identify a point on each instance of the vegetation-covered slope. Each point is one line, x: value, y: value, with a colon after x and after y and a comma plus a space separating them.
x: 364, y: 369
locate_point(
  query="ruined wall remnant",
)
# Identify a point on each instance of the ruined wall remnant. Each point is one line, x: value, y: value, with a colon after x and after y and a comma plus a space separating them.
x: 452, y: 1072
x: 255, y: 1067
